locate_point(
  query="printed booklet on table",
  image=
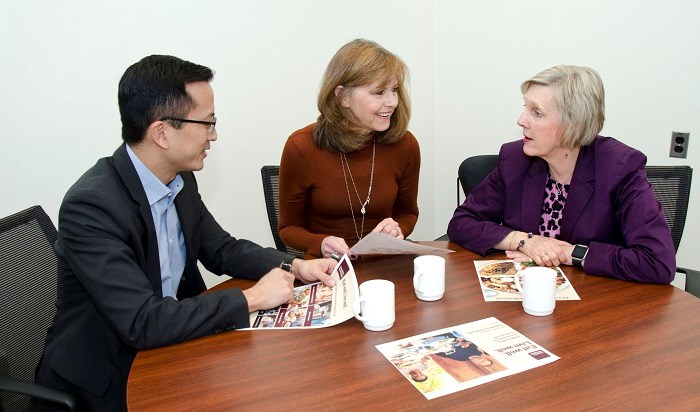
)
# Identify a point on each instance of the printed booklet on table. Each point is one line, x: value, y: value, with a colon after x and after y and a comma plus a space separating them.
x: 315, y: 305
x: 497, y: 279
x: 456, y: 358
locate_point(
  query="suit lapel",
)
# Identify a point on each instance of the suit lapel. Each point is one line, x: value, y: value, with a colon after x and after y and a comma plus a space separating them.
x: 187, y: 203
x: 127, y: 172
x: 186, y: 212
x: 580, y: 191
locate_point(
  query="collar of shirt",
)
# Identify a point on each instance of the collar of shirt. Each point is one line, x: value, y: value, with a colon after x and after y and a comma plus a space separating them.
x: 155, y: 189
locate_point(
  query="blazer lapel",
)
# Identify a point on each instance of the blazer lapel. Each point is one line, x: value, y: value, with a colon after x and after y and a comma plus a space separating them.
x: 580, y: 191
x: 533, y: 196
x: 127, y: 172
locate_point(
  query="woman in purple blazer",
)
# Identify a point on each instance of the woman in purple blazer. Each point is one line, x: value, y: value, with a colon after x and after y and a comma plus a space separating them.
x: 564, y: 195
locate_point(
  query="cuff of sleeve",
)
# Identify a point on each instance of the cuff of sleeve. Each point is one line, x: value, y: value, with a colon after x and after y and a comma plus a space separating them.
x: 238, y: 316
x: 315, y: 249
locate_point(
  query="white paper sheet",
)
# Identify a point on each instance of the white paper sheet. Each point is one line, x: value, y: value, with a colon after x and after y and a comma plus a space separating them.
x: 382, y: 244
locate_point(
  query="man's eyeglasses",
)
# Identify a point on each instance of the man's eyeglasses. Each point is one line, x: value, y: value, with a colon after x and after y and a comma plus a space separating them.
x: 212, y: 124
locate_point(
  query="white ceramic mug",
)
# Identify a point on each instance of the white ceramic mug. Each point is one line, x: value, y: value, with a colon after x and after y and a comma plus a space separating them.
x: 375, y: 305
x: 429, y: 277
x: 538, y: 285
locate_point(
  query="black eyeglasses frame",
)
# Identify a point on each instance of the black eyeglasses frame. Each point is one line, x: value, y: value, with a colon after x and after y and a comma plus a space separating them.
x: 211, y: 124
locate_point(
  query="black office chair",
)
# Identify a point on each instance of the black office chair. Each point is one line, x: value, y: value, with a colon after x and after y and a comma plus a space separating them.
x: 270, y: 180
x: 671, y: 186
x: 471, y: 172
x: 28, y: 274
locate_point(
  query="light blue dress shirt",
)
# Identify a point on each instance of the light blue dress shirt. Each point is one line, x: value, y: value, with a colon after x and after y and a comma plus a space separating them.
x: 171, y: 241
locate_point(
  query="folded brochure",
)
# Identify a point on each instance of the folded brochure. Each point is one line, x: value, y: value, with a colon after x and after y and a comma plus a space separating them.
x: 315, y: 305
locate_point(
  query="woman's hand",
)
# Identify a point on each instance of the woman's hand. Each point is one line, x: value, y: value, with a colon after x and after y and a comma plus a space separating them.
x: 390, y: 227
x: 544, y: 251
x: 333, y: 245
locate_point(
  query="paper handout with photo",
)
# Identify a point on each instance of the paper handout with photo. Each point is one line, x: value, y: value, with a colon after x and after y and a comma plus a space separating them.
x: 377, y: 243
x: 315, y: 305
x: 459, y: 357
x: 497, y: 279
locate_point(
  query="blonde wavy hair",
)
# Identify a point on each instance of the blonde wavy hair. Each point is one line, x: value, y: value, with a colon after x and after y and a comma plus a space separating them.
x: 580, y: 98
x: 359, y: 63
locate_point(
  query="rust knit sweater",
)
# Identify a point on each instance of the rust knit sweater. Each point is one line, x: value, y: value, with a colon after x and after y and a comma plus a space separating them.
x: 313, y: 194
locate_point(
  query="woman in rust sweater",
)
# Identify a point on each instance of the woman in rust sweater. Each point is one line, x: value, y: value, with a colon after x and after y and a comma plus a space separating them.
x: 356, y: 170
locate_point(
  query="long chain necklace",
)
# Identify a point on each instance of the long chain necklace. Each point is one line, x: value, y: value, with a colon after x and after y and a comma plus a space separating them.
x: 344, y: 163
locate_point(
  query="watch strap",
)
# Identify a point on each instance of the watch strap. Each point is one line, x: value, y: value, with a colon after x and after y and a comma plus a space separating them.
x: 287, y: 264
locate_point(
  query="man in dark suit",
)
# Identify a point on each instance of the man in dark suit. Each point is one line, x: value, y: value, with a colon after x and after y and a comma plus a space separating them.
x: 131, y: 231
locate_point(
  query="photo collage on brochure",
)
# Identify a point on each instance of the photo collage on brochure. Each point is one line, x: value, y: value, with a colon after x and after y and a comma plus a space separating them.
x: 460, y: 357
x: 311, y: 307
x: 498, y: 283
x: 315, y: 305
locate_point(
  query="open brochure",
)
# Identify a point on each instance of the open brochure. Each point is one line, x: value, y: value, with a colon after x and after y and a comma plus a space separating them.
x: 456, y: 358
x: 315, y: 305
x: 497, y: 279
x: 382, y: 244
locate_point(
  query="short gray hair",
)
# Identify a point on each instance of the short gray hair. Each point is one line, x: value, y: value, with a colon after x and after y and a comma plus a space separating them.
x: 580, y: 98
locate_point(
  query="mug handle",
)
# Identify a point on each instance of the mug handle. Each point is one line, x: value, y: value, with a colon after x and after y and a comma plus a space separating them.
x: 518, y: 285
x: 416, y: 281
x: 356, y: 308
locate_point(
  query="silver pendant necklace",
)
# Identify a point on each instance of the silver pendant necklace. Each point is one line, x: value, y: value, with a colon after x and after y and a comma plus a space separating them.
x: 559, y: 187
x: 344, y: 163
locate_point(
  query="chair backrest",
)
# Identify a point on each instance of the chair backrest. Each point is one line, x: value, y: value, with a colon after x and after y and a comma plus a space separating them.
x: 473, y: 170
x: 671, y: 186
x: 270, y: 181
x: 28, y: 273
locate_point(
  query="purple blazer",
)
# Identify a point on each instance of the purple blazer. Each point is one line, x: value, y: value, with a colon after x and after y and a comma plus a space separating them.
x: 611, y: 208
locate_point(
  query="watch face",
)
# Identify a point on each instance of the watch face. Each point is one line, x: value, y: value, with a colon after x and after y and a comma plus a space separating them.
x: 579, y: 252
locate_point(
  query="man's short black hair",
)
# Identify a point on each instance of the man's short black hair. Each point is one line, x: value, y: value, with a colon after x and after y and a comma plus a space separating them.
x: 154, y: 88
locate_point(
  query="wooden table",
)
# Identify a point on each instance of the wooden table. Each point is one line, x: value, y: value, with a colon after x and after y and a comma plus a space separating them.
x: 624, y: 345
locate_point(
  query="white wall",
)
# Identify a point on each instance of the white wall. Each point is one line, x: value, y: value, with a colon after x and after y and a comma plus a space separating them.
x: 61, y: 62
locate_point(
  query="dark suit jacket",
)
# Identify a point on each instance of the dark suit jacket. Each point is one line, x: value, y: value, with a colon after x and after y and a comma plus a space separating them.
x: 110, y: 302
x: 611, y: 208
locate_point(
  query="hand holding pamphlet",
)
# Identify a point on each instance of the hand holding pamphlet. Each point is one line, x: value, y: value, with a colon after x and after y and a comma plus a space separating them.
x: 315, y: 305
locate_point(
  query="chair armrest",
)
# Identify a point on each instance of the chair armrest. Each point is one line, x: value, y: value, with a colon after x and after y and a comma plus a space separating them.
x: 692, y: 280
x: 35, y: 390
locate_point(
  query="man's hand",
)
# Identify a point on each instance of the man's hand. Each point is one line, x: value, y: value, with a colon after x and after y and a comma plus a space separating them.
x: 314, y: 270
x: 272, y: 290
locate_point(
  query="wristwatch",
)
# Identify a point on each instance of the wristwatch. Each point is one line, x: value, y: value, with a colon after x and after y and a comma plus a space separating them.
x: 579, y: 255
x: 287, y: 264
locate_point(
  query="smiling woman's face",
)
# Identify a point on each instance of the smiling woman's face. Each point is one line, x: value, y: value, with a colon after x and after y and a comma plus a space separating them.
x: 372, y: 105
